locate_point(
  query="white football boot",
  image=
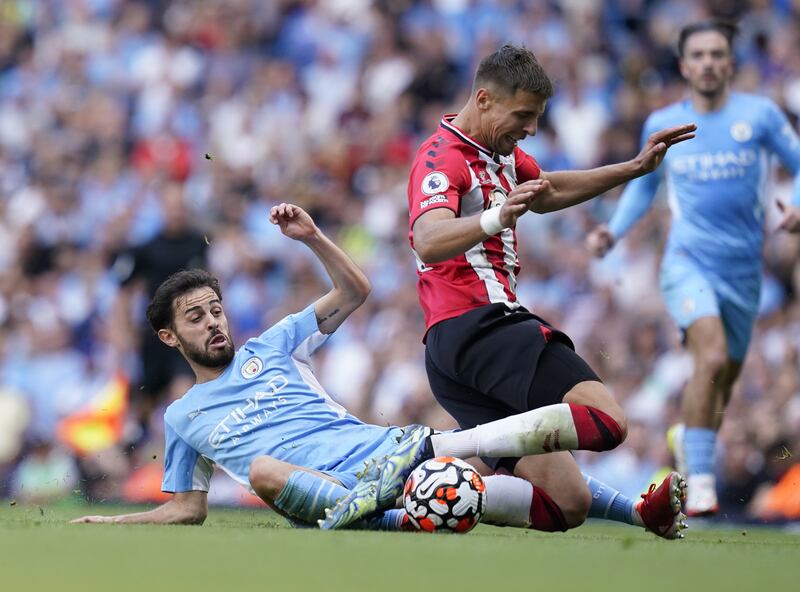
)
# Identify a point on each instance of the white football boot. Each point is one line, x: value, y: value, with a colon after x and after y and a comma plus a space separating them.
x: 701, y: 495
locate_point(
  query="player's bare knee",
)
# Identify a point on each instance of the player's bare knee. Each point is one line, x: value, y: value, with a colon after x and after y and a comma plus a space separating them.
x: 711, y: 360
x: 257, y: 474
x: 603, y: 409
x: 615, y: 422
x: 264, y: 478
x: 618, y: 415
x: 575, y: 506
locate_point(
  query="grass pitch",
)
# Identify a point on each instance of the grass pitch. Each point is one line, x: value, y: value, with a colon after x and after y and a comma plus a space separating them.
x: 254, y: 550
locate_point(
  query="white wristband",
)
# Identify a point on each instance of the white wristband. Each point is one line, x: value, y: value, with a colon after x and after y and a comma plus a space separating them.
x: 490, y: 221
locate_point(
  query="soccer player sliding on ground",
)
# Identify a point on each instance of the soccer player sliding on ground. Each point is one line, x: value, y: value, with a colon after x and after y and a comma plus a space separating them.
x: 262, y: 416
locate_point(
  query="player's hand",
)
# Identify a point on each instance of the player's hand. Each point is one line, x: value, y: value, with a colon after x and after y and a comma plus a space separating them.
x: 293, y: 221
x: 659, y: 142
x: 520, y: 198
x: 790, y: 217
x: 93, y: 520
x: 599, y: 241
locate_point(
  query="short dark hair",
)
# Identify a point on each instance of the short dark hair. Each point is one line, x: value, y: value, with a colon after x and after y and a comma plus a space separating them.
x: 512, y: 68
x: 727, y: 29
x: 160, y: 311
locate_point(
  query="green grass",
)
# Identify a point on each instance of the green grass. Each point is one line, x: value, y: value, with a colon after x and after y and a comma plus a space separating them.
x: 253, y: 550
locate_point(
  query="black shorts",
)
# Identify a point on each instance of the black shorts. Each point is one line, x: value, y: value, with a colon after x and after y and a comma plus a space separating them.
x: 493, y: 362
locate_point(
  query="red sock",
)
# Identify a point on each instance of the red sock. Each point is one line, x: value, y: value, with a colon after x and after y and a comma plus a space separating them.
x: 596, y: 430
x: 545, y: 514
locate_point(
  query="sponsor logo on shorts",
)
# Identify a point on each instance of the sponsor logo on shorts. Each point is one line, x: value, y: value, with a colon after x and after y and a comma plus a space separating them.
x: 252, y: 367
x: 436, y: 199
x: 434, y: 183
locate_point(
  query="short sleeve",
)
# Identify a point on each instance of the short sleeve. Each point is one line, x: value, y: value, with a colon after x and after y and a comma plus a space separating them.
x: 297, y: 329
x: 527, y: 168
x: 185, y: 469
x: 438, y: 179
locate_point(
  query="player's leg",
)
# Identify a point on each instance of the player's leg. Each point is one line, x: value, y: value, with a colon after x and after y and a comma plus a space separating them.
x: 600, y: 422
x: 562, y: 375
x: 301, y: 495
x: 570, y: 409
x: 549, y: 493
x: 539, y: 431
x: 725, y: 340
x: 693, y: 304
x: 724, y: 388
x: 520, y: 361
x: 737, y: 320
x: 514, y: 361
x: 560, y: 370
x: 553, y: 428
x: 559, y: 497
x: 705, y: 340
x: 294, y: 492
x: 658, y: 510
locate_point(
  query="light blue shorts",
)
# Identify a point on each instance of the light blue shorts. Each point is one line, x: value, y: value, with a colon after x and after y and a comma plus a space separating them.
x: 691, y: 293
x: 348, y: 470
x: 369, y: 443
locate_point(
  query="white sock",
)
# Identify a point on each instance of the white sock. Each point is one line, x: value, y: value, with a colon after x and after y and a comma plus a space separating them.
x: 508, y: 501
x: 534, y: 432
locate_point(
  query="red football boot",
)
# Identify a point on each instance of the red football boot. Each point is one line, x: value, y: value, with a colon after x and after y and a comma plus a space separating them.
x: 660, y: 508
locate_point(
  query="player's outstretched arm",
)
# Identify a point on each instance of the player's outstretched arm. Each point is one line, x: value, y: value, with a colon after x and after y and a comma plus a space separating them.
x: 439, y: 235
x: 634, y: 203
x: 782, y: 139
x: 190, y: 507
x: 568, y: 188
x: 350, y: 285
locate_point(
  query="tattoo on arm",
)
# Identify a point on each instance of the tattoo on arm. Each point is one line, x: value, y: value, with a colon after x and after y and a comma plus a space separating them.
x: 329, y: 315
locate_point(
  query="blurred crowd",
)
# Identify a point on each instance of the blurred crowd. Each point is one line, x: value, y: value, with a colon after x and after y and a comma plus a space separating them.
x: 141, y: 137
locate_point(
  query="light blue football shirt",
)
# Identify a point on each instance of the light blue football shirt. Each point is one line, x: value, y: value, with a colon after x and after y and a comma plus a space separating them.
x: 266, y: 402
x: 716, y: 182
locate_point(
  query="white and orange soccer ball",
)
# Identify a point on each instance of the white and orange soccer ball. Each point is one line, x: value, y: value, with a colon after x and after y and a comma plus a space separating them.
x: 445, y: 494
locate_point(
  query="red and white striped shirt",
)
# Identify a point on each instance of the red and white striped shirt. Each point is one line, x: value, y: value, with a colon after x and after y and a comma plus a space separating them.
x: 453, y: 171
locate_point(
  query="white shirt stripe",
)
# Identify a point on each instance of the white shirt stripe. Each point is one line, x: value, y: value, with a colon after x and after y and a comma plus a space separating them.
x: 472, y: 203
x: 507, y: 235
x: 302, y: 361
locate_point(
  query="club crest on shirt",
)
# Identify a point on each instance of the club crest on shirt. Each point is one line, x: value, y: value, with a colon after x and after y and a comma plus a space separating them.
x: 434, y: 183
x: 497, y: 197
x: 741, y: 131
x: 252, y: 367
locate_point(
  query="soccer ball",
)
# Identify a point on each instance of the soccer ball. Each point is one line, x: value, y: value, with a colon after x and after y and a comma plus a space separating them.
x: 444, y: 494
